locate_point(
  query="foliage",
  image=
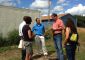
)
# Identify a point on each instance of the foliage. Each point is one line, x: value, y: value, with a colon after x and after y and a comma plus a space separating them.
x: 81, y: 20
x: 11, y: 39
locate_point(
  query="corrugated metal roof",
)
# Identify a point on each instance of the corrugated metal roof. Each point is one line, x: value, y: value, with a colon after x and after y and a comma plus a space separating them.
x: 49, y: 17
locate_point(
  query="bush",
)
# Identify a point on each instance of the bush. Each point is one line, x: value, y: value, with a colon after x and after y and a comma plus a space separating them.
x: 11, y: 39
x: 2, y: 41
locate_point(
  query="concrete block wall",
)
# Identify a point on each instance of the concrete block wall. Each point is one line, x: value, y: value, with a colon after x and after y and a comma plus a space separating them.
x: 11, y: 17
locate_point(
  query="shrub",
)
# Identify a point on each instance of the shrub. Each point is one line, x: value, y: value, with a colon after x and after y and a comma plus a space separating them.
x: 2, y: 40
x: 13, y: 37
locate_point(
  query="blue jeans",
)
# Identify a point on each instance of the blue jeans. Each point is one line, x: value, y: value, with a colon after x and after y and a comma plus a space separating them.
x: 58, y: 45
x: 70, y: 51
x: 23, y: 54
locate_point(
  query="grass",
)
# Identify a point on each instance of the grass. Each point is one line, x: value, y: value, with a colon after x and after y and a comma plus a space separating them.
x: 13, y: 53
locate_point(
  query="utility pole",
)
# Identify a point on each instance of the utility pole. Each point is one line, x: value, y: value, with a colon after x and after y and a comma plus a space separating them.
x: 49, y: 9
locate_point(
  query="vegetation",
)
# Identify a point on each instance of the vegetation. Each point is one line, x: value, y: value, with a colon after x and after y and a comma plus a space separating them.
x: 11, y: 39
x: 81, y: 20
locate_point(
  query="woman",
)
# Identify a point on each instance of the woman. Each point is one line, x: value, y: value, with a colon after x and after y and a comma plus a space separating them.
x: 27, y: 36
x: 68, y: 44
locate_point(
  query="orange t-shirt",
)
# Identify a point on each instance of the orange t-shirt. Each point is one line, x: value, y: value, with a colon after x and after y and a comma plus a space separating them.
x: 58, y: 26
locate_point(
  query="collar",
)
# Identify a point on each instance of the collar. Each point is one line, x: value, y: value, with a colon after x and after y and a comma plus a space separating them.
x: 39, y: 24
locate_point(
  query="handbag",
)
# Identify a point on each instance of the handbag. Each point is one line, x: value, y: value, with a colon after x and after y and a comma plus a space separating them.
x: 74, y: 37
x: 21, y: 44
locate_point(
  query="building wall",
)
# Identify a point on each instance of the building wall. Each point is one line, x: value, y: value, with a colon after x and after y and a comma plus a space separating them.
x: 11, y: 17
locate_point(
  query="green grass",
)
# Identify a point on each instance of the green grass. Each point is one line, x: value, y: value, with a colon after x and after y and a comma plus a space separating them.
x: 3, y: 49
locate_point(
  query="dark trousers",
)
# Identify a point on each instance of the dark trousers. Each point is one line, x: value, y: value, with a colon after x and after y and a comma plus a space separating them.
x: 23, y: 54
x: 70, y: 51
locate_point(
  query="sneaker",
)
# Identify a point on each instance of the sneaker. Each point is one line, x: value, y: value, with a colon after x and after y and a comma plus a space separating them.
x: 45, y: 54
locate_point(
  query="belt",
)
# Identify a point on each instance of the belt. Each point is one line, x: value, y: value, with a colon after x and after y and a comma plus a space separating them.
x: 58, y: 34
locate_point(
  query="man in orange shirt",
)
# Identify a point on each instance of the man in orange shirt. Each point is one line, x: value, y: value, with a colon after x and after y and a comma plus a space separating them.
x: 57, y: 28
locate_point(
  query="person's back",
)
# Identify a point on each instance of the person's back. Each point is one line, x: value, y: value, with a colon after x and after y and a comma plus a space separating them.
x: 20, y: 28
x: 25, y: 30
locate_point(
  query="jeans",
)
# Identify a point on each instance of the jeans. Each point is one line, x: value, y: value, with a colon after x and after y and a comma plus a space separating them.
x: 23, y: 54
x: 70, y: 51
x: 58, y: 45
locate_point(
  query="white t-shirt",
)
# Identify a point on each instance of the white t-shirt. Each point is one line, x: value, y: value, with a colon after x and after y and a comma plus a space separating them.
x: 20, y: 28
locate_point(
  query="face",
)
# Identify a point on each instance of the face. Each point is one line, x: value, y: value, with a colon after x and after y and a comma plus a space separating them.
x: 53, y: 17
x: 38, y: 21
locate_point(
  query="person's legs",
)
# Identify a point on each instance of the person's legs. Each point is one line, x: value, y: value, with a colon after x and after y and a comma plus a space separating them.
x: 74, y: 51
x: 43, y: 45
x: 70, y: 51
x: 29, y: 50
x: 23, y: 54
x: 58, y: 45
x: 38, y: 44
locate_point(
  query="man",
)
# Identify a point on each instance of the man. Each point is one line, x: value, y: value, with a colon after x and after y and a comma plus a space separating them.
x: 21, y: 37
x: 57, y: 28
x: 39, y: 31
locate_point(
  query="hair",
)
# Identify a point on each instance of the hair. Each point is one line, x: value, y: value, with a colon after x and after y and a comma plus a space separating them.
x: 54, y: 14
x: 27, y: 19
x: 36, y: 19
x: 72, y: 26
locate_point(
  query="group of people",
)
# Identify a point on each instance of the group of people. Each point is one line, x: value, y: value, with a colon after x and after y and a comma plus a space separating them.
x: 37, y: 32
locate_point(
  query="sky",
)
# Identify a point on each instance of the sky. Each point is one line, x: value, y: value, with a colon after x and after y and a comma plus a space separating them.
x: 75, y: 7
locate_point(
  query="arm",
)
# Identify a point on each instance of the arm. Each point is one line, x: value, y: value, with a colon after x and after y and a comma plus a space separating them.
x: 30, y: 34
x: 19, y: 30
x: 33, y: 29
x: 60, y: 26
x: 43, y: 28
x: 66, y: 35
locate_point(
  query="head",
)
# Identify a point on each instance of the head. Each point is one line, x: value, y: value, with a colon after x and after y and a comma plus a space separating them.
x: 38, y: 20
x: 27, y: 19
x: 54, y: 16
x: 71, y: 24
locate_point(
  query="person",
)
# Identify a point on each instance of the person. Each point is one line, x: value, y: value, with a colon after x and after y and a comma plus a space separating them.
x: 57, y: 28
x: 39, y: 31
x: 27, y: 36
x: 21, y: 37
x: 68, y: 44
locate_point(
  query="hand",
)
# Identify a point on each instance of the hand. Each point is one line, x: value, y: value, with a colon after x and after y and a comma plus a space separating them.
x: 78, y: 44
x: 64, y: 45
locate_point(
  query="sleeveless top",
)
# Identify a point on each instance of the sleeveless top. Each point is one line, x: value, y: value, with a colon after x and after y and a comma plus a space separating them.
x: 72, y: 42
x: 25, y: 33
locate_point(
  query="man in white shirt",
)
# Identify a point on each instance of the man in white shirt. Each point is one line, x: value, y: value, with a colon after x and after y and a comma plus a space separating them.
x: 21, y: 37
x: 20, y: 28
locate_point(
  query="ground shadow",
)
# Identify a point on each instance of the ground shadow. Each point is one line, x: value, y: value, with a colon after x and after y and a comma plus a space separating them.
x: 51, y: 52
x: 53, y: 59
x: 37, y: 56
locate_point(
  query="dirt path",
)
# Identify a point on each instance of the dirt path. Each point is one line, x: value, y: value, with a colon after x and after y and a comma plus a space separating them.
x: 16, y: 55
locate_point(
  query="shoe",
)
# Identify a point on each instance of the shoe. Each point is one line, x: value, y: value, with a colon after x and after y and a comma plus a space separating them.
x: 45, y: 54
